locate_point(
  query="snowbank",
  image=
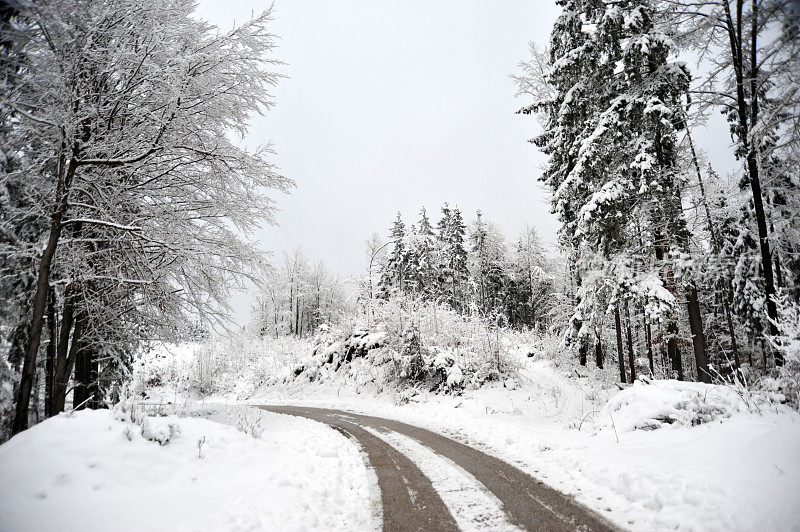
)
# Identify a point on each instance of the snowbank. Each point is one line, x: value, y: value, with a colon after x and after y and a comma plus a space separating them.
x: 83, y: 473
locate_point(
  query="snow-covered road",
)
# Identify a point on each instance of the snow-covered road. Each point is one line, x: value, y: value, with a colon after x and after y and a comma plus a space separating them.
x: 492, y: 495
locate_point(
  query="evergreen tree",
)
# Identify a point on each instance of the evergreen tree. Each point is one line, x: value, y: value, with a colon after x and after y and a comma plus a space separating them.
x: 424, y: 257
x: 489, y: 269
x: 611, y: 138
x: 395, y: 273
x: 455, y: 258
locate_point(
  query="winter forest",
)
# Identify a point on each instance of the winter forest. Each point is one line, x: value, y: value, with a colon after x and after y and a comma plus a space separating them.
x: 625, y: 346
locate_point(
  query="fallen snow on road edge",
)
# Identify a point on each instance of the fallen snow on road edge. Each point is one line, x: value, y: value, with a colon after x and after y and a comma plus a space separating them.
x: 81, y: 472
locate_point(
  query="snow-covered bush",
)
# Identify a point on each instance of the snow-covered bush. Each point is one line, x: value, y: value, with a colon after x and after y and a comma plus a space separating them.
x: 652, y: 404
x: 164, y: 365
x: 160, y: 429
x: 249, y: 422
x: 402, y: 342
x: 398, y: 343
x: 234, y: 366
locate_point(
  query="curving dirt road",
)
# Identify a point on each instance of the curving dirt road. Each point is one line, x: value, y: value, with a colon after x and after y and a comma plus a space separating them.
x: 408, y: 498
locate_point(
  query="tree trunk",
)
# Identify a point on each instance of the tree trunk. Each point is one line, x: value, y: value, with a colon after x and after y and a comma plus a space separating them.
x: 746, y: 124
x: 83, y: 392
x: 620, y: 355
x: 778, y: 274
x: 35, y: 332
x: 49, y: 368
x: 79, y: 391
x: 698, y: 336
x: 631, y: 357
x: 95, y: 391
x: 717, y: 248
x: 64, y: 367
x: 65, y: 176
x: 297, y: 317
x: 598, y: 352
x: 648, y: 339
x: 275, y: 316
x: 35, y: 394
x: 673, y: 351
x: 583, y: 349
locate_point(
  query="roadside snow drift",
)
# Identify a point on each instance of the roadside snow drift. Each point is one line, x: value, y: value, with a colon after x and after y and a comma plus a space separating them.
x: 83, y: 473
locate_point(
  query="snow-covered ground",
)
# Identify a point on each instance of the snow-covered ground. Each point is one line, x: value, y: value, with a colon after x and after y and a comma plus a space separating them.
x: 83, y: 473
x: 661, y: 455
x: 740, y: 471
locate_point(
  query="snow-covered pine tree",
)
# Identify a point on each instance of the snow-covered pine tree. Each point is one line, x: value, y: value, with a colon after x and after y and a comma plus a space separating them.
x: 567, y: 100
x: 453, y: 258
x: 534, y: 280
x: 457, y: 255
x: 424, y: 258
x: 611, y: 137
x: 489, y: 267
x: 394, y: 273
x: 753, y: 53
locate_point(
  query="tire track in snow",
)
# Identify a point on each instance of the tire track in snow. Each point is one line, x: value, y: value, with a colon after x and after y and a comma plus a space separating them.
x: 472, y: 505
x: 528, y: 503
x: 408, y: 499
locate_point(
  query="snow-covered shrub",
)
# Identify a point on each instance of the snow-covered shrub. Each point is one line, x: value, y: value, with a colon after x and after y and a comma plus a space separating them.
x: 127, y: 409
x: 250, y: 422
x: 152, y: 428
x: 161, y: 430
x: 436, y: 369
x: 234, y: 366
x: 163, y: 365
x: 652, y: 404
x: 399, y: 343
x: 403, y: 342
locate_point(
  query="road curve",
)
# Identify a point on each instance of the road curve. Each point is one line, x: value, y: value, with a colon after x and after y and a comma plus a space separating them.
x: 408, y: 499
x: 527, y: 502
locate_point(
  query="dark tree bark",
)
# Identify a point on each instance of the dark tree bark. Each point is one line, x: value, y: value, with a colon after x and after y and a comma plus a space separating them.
x: 83, y: 392
x: 620, y: 355
x: 583, y: 347
x: 583, y: 350
x: 64, y: 367
x: 748, y: 122
x: 648, y: 338
x: 673, y: 351
x: 49, y: 368
x: 598, y: 351
x: 631, y: 357
x: 65, y: 173
x: 698, y: 336
x: 95, y: 390
x: 37, y: 378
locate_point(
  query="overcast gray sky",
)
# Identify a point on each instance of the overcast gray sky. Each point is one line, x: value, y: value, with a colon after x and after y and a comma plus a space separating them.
x: 391, y: 105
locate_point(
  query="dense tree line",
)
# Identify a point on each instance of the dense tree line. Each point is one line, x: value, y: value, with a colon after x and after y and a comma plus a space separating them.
x: 471, y: 268
x: 123, y: 191
x: 296, y: 297
x: 665, y: 254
